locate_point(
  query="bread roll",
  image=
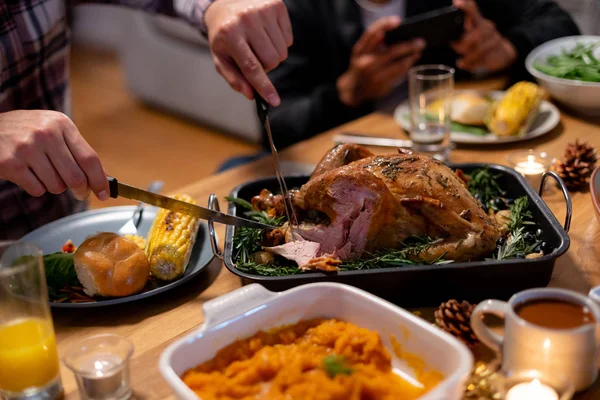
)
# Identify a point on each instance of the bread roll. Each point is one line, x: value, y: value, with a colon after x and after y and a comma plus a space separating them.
x: 470, y: 109
x: 110, y: 265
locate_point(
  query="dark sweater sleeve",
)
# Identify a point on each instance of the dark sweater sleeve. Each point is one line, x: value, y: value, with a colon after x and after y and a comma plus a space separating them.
x: 306, y: 82
x: 528, y: 24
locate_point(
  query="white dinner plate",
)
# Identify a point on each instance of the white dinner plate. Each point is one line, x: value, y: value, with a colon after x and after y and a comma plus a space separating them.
x: 546, y: 119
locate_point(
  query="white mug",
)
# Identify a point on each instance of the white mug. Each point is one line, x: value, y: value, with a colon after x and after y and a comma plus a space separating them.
x: 555, y: 353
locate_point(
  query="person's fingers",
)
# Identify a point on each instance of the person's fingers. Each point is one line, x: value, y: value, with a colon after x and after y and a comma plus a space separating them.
x: 285, y: 25
x: 471, y: 10
x: 468, y: 42
x: 374, y: 34
x: 253, y: 71
x: 45, y: 172
x: 231, y: 73
x: 403, y: 49
x: 88, y: 161
x: 262, y: 46
x: 476, y: 57
x: 395, y: 71
x: 276, y: 35
x: 68, y: 169
x: 27, y: 180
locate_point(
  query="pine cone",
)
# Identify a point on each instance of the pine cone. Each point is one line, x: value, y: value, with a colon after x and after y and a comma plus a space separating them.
x: 455, y: 318
x: 575, y: 173
x: 577, y: 166
x: 581, y: 151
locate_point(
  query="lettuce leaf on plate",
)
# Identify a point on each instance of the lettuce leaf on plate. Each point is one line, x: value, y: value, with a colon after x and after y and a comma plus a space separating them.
x: 462, y: 128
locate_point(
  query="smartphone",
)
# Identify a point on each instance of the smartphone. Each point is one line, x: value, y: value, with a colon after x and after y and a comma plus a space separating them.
x: 438, y: 27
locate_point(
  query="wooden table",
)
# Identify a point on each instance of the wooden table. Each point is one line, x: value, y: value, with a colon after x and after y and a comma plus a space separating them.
x: 155, y: 323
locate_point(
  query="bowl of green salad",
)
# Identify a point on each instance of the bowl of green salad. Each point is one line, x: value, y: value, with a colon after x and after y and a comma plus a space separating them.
x: 569, y: 69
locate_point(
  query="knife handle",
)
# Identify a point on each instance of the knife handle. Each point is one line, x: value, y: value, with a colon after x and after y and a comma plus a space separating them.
x: 113, y: 184
x: 262, y: 107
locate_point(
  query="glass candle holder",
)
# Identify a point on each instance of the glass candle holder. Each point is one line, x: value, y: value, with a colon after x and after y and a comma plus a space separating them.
x: 100, y: 364
x: 530, y: 385
x: 531, y: 164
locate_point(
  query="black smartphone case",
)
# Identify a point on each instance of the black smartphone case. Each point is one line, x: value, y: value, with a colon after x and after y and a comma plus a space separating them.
x: 438, y: 28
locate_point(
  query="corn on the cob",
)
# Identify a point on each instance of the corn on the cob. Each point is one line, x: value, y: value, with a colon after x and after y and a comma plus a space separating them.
x: 137, y: 239
x: 170, y: 242
x: 512, y: 114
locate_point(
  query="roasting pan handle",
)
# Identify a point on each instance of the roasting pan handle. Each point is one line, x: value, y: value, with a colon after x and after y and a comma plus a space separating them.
x: 213, y: 204
x: 563, y: 187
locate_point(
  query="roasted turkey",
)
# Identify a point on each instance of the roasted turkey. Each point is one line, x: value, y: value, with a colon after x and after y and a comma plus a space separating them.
x: 368, y: 203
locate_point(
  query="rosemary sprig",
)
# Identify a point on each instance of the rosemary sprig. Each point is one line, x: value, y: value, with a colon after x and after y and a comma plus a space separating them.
x: 516, y: 245
x: 407, y: 255
x: 484, y: 186
x: 519, y: 242
x: 520, y: 214
x: 249, y: 240
x: 268, y: 270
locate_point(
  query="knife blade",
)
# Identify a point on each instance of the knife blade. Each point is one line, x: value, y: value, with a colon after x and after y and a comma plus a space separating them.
x: 370, y: 140
x: 262, y: 108
x: 118, y: 189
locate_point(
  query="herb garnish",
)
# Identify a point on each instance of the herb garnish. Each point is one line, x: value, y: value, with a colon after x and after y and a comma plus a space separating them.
x: 336, y: 365
x: 249, y: 240
x: 519, y: 242
x: 483, y: 185
x: 409, y: 254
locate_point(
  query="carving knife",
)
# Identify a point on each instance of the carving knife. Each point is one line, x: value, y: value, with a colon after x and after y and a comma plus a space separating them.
x: 262, y: 108
x: 118, y: 189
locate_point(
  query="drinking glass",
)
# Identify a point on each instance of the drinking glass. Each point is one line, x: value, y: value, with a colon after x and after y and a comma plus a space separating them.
x: 29, y: 368
x: 430, y: 94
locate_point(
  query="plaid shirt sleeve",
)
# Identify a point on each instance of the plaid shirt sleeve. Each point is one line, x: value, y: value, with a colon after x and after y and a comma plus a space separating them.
x: 191, y: 11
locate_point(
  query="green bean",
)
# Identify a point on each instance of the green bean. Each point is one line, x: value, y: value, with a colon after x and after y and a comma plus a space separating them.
x: 578, y: 64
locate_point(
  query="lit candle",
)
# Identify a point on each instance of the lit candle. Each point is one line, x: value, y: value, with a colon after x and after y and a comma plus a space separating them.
x: 532, y: 170
x: 102, y: 376
x: 531, y: 390
x: 101, y: 367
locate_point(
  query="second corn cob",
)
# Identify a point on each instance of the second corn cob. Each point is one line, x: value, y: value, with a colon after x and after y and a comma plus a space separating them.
x: 512, y: 114
x: 170, y: 242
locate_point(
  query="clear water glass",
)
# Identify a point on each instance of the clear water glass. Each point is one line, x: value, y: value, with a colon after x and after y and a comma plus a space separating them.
x: 29, y: 368
x: 430, y: 97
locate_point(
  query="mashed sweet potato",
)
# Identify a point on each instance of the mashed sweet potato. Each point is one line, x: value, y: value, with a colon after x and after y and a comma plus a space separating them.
x: 314, y: 359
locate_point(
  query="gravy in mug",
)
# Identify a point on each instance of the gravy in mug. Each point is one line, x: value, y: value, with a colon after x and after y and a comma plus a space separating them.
x: 555, y: 314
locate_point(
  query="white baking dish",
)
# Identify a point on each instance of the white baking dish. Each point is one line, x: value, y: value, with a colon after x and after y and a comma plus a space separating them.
x: 245, y: 311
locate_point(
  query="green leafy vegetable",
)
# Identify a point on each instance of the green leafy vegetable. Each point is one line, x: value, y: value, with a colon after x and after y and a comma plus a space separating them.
x: 520, y: 214
x: 249, y: 240
x: 407, y: 255
x: 519, y: 242
x: 336, y: 365
x: 60, y: 273
x: 578, y: 64
x: 484, y: 186
x: 460, y: 128
x: 471, y: 129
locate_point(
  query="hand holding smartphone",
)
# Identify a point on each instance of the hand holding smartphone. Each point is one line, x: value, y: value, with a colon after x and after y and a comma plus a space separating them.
x: 438, y: 28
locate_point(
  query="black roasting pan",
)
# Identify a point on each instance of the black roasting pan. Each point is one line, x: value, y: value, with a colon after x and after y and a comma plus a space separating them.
x: 430, y: 284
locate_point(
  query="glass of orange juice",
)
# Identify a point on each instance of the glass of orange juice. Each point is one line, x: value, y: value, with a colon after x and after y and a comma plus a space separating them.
x: 29, y: 366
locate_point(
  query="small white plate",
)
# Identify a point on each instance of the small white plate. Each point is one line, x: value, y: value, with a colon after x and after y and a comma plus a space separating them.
x: 547, y: 119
